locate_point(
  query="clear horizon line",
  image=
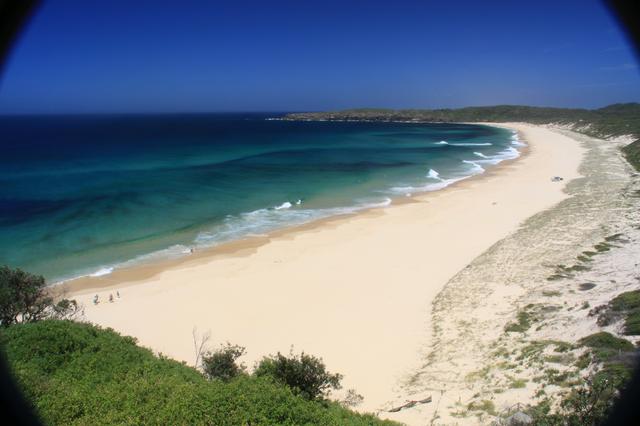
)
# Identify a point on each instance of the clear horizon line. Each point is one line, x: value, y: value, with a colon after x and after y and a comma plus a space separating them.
x: 113, y: 113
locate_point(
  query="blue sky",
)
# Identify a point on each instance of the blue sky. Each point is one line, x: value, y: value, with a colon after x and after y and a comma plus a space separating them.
x: 144, y: 56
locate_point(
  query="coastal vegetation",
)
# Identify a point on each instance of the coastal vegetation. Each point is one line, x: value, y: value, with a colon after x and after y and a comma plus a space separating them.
x: 304, y: 374
x: 563, y: 271
x: 589, y: 401
x: 625, y: 306
x: 593, y: 371
x: 632, y: 152
x: 590, y: 375
x: 75, y: 373
x: 524, y: 320
x: 612, y: 120
x: 574, y: 382
x: 222, y: 364
x: 25, y: 298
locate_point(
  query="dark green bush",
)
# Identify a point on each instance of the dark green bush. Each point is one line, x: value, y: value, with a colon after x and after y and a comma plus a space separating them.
x: 632, y: 152
x: 604, y: 340
x: 632, y: 324
x: 305, y: 374
x: 626, y: 301
x: 221, y: 364
x: 24, y: 298
x: 616, y: 373
x: 625, y: 305
x: 587, y: 405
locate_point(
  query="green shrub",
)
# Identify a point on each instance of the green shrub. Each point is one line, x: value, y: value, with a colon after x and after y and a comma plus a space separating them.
x: 305, y: 374
x: 614, y: 237
x: 584, y: 258
x: 632, y: 153
x: 590, y: 404
x: 617, y: 373
x: 626, y: 301
x: 625, y: 305
x: 632, y: 324
x: 556, y: 377
x: 522, y: 324
x: 606, y: 346
x: 79, y: 374
x: 587, y: 405
x: 606, y: 340
x: 221, y: 364
x: 23, y: 298
x: 561, y: 346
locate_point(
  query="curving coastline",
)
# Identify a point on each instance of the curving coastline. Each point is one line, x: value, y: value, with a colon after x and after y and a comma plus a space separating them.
x: 358, y: 293
x: 558, y: 269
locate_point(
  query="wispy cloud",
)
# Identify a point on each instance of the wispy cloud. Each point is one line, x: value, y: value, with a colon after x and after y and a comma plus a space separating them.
x: 622, y: 67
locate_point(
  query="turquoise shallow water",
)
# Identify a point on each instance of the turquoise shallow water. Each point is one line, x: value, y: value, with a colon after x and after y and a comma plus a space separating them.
x: 85, y: 194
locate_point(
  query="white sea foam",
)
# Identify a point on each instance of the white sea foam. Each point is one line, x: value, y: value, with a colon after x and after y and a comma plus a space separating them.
x: 262, y: 221
x: 475, y: 167
x: 515, y: 140
x: 464, y: 143
x: 283, y: 206
x: 255, y: 223
x: 508, y: 154
x: 102, y: 271
x: 386, y: 202
x: 433, y: 174
x: 429, y: 187
x: 172, y: 252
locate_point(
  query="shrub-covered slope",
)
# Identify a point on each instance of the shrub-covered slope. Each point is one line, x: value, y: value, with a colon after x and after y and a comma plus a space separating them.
x: 632, y: 152
x: 77, y: 373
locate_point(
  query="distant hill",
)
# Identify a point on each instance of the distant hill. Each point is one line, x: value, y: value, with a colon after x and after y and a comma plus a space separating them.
x: 608, y: 122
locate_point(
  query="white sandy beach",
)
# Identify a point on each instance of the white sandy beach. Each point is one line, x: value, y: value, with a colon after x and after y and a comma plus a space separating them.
x: 356, y: 291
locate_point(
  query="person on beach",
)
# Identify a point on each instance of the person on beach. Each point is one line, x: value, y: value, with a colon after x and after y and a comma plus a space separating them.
x: 111, y: 298
x: 95, y: 299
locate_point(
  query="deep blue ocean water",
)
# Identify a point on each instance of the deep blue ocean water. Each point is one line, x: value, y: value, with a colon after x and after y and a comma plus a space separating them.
x: 84, y: 194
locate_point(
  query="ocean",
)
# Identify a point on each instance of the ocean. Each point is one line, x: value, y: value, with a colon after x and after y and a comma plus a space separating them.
x: 82, y: 195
